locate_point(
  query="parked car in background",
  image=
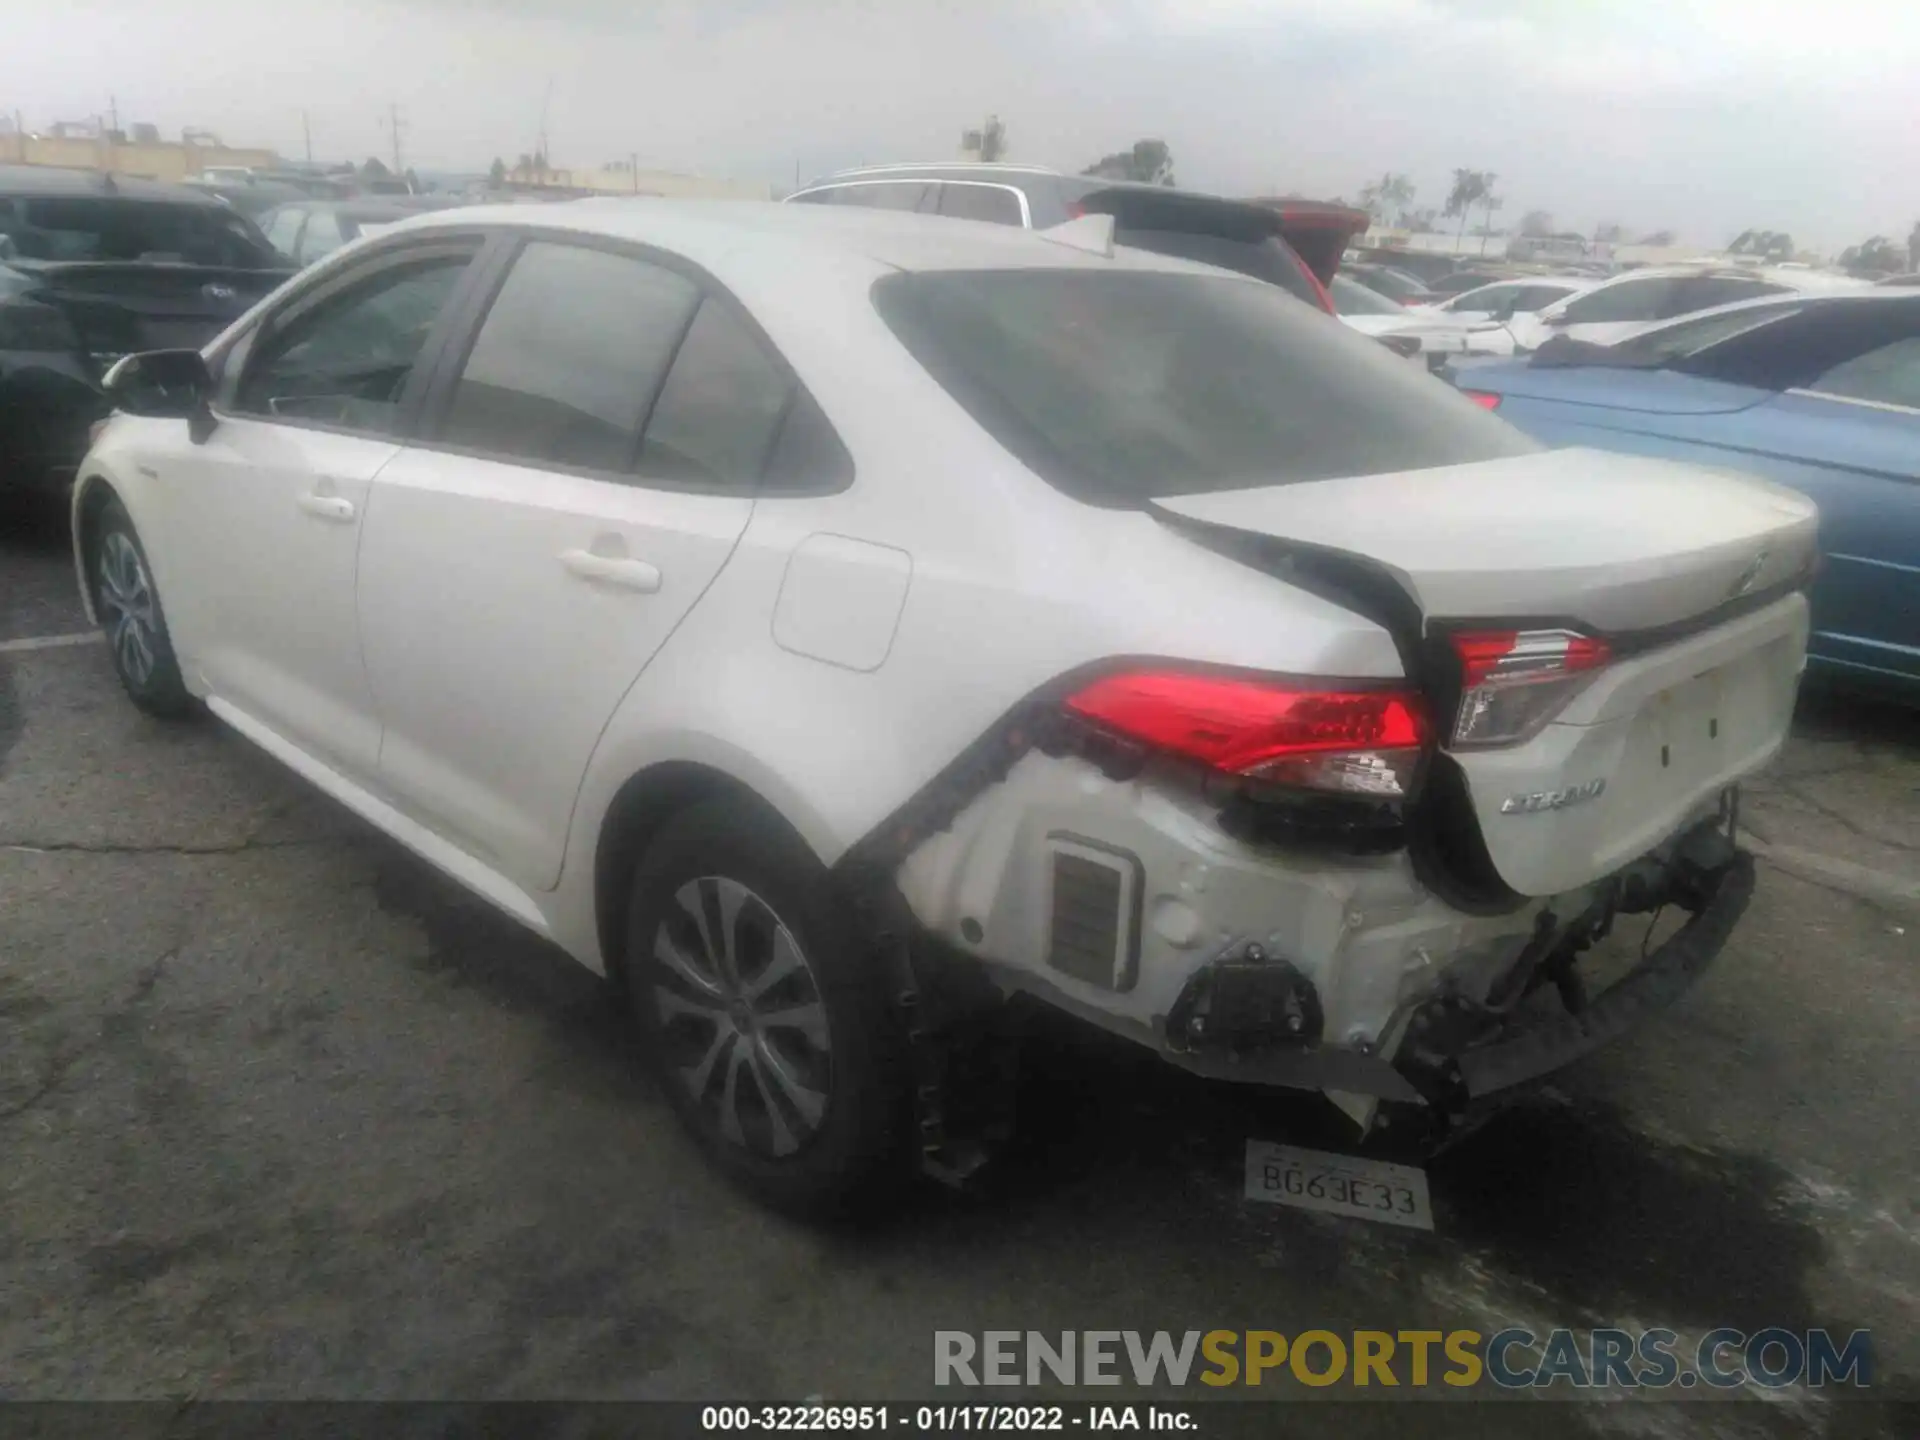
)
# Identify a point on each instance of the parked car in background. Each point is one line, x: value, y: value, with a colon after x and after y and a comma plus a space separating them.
x: 1293, y: 244
x: 94, y: 266
x: 835, y: 624
x: 1426, y: 266
x: 308, y: 230
x: 1616, y: 308
x: 252, y: 198
x: 1372, y: 314
x: 1819, y: 392
x: 1502, y: 299
x: 1395, y: 284
x: 1461, y: 281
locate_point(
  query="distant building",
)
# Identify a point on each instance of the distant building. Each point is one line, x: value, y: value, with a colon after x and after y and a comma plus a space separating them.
x: 145, y: 155
x: 624, y: 179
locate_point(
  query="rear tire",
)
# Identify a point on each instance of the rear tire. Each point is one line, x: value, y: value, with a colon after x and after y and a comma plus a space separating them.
x: 128, y: 606
x: 763, y: 1015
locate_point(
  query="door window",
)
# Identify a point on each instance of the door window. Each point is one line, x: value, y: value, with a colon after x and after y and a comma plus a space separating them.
x: 569, y: 358
x: 346, y: 362
x: 719, y: 408
x: 321, y: 238
x: 995, y: 204
x: 283, y: 228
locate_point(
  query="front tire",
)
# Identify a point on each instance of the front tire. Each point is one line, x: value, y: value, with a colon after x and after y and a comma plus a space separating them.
x: 128, y: 607
x: 763, y: 1018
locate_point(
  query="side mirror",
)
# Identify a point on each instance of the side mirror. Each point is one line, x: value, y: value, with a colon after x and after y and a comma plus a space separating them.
x: 166, y: 385
x: 1553, y: 322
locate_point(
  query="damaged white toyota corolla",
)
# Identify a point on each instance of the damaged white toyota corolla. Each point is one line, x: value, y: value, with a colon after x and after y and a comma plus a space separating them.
x: 832, y: 624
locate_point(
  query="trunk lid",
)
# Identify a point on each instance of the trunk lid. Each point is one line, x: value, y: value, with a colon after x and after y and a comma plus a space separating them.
x: 1692, y: 576
x: 120, y: 307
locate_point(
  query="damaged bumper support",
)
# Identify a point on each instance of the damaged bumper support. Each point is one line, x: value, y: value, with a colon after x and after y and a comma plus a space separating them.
x: 1241, y: 1017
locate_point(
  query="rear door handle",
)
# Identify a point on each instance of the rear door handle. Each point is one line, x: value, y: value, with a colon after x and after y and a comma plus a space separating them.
x: 613, y: 570
x: 327, y: 507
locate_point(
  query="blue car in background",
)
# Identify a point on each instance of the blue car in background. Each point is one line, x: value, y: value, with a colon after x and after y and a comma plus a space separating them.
x: 1821, y: 393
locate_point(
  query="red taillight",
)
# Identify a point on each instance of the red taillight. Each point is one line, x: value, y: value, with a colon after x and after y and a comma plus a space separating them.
x: 1482, y: 398
x: 1361, y: 741
x: 1513, y: 681
x: 1075, y: 209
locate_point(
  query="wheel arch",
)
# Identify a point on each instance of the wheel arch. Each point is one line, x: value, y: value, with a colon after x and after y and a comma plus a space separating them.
x: 637, y: 812
x: 92, y: 493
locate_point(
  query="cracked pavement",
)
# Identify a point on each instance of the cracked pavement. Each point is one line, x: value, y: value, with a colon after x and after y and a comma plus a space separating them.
x: 283, y: 1114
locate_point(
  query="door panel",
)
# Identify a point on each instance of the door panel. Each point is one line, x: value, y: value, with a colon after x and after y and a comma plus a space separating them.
x: 506, y: 611
x: 273, y: 503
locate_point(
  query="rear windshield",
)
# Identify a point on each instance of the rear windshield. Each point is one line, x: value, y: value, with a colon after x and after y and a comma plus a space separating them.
x: 85, y: 227
x: 1120, y: 388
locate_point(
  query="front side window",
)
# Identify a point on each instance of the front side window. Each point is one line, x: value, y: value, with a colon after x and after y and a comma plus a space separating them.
x: 1537, y: 297
x: 1118, y: 388
x: 1630, y: 300
x: 1889, y: 375
x: 994, y: 204
x: 567, y: 362
x: 1704, y: 292
x: 347, y: 361
x: 1487, y: 297
x: 283, y: 228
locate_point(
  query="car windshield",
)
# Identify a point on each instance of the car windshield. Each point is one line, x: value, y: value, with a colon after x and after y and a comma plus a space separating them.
x: 1350, y: 297
x: 104, y: 228
x: 1120, y: 388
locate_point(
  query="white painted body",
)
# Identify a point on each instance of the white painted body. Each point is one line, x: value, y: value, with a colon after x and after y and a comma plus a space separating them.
x: 478, y: 657
x: 1564, y: 317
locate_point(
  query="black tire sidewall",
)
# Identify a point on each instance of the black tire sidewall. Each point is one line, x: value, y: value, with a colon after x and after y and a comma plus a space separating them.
x: 858, y: 1157
x: 164, y: 692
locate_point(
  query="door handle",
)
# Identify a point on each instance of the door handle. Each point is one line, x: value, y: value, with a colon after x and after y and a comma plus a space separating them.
x: 327, y: 507
x: 614, y: 570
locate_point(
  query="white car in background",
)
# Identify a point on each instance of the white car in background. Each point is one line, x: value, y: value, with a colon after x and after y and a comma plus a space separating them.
x: 1435, y: 333
x: 832, y: 623
x: 1625, y: 304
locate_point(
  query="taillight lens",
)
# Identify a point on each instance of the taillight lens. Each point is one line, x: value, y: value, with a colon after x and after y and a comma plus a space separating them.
x: 1360, y: 742
x: 1513, y: 681
x: 1483, y: 399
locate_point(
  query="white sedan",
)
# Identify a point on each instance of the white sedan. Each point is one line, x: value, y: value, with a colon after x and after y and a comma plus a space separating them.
x: 832, y: 623
x: 1627, y: 303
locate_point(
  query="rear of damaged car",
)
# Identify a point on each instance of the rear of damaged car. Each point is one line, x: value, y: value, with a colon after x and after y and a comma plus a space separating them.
x: 1348, y: 867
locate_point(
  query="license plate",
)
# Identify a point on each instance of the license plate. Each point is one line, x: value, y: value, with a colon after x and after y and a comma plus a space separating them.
x: 1338, y: 1184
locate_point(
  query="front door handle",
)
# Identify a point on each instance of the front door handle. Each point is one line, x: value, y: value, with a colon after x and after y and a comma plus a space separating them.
x: 613, y: 570
x: 327, y: 507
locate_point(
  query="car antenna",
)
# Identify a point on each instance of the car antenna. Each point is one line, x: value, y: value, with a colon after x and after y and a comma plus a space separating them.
x: 1092, y: 233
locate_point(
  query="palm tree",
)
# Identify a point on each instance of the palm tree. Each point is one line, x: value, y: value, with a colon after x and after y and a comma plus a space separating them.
x: 1470, y: 187
x: 1390, y: 194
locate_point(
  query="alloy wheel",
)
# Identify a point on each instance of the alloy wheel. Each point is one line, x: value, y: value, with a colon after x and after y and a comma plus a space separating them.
x: 129, y: 615
x: 741, y: 1017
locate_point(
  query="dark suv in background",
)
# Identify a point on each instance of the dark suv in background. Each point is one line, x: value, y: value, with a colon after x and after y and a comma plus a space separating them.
x: 93, y: 267
x: 1295, y: 244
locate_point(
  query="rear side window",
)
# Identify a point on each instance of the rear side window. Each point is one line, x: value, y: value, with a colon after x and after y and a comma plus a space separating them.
x: 993, y: 203
x: 283, y: 228
x: 720, y: 407
x: 102, y: 228
x: 1887, y: 376
x: 569, y: 357
x: 1703, y: 292
x: 1121, y: 387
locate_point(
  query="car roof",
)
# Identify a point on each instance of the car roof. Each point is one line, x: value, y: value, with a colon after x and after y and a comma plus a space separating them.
x: 36, y: 182
x: 1792, y: 279
x: 735, y: 237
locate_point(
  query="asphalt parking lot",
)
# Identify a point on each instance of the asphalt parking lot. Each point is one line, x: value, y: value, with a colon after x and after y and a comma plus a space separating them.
x: 282, y: 1114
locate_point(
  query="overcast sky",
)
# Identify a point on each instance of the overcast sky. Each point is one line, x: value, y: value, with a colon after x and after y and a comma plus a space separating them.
x: 1704, y: 116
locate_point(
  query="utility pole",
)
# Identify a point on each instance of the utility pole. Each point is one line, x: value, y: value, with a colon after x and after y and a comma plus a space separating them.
x: 113, y: 114
x: 395, y: 126
x: 633, y: 170
x: 306, y: 134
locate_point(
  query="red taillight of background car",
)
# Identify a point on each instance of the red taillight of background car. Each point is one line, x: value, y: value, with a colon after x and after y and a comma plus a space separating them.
x: 1358, y: 741
x: 1484, y: 399
x: 1513, y: 681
